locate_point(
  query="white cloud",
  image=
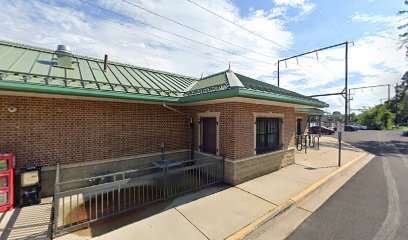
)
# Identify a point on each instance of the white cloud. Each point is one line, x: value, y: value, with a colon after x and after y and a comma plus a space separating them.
x: 392, y: 21
x: 37, y: 23
x: 304, y: 5
x: 375, y: 58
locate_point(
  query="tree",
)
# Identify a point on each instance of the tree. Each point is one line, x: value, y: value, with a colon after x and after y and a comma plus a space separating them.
x: 404, y: 36
x: 378, y: 117
x: 338, y: 117
x: 353, y: 117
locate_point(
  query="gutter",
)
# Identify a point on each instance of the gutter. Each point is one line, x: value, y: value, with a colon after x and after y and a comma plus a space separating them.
x: 62, y: 90
x: 228, y: 93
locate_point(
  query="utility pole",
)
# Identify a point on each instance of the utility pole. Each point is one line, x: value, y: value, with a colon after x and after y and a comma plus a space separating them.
x: 278, y: 73
x: 396, y: 103
x: 306, y: 53
x: 346, y: 85
x: 373, y: 86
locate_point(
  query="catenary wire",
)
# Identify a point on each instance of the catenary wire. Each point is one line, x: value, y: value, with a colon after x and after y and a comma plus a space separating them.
x: 256, y: 34
x: 172, y: 33
x: 195, y: 29
x: 152, y: 40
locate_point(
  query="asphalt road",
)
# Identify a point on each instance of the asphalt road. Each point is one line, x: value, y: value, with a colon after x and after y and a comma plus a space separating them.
x: 373, y: 204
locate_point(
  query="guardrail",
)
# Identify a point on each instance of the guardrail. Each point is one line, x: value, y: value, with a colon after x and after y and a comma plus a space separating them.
x: 80, y: 202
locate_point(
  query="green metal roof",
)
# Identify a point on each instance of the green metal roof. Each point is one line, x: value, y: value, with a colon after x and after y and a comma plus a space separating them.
x: 32, y: 69
x: 310, y: 111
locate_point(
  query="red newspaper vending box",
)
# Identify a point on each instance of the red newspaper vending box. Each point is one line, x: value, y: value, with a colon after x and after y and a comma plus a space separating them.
x: 6, y: 181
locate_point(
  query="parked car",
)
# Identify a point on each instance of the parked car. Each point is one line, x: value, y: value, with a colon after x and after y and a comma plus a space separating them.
x: 360, y: 127
x: 404, y: 133
x: 325, y: 130
x: 349, y: 128
x: 402, y: 124
x: 373, y: 128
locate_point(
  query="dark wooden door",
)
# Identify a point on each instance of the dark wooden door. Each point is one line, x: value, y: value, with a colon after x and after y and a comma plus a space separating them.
x: 209, y: 134
x: 299, y: 126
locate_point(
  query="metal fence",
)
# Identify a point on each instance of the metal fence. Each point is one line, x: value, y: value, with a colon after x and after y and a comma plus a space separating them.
x: 78, y: 203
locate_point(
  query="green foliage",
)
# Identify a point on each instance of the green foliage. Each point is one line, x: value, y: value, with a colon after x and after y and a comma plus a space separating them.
x: 338, y: 117
x: 353, y: 117
x: 379, y: 116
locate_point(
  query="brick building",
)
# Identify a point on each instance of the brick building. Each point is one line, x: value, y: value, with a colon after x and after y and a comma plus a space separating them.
x: 57, y: 107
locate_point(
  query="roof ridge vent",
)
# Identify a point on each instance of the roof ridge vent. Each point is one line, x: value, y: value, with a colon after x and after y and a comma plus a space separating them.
x: 64, y: 56
x: 233, y: 80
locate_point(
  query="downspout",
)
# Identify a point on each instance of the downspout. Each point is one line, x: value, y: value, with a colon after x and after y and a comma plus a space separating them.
x: 190, y: 143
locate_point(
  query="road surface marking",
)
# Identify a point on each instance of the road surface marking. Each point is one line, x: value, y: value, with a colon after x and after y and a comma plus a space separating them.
x: 392, y: 221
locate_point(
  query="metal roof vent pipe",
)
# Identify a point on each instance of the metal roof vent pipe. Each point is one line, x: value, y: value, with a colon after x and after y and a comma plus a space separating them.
x: 105, y: 63
x: 64, y: 56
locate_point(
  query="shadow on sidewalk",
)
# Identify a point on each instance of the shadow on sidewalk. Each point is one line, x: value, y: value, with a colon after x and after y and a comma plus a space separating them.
x: 110, y: 224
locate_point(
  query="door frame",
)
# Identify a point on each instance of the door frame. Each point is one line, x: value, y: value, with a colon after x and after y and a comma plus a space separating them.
x: 215, y: 115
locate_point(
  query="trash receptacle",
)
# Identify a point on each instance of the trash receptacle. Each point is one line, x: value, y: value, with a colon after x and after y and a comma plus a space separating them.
x: 30, y: 185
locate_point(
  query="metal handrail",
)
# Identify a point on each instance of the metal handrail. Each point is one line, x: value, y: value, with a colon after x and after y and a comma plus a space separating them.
x: 122, y: 172
x: 77, y: 208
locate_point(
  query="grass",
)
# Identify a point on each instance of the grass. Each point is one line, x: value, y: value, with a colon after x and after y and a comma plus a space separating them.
x: 402, y: 128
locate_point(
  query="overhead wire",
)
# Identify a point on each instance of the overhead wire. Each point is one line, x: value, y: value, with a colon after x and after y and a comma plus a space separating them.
x: 256, y: 34
x: 172, y: 33
x: 195, y: 29
x: 148, y: 39
x: 307, y: 70
x: 244, y: 28
x: 330, y: 24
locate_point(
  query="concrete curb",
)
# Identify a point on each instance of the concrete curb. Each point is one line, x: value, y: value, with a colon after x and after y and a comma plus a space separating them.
x: 294, y: 199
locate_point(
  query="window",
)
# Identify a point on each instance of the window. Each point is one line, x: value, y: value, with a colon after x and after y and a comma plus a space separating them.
x: 267, y: 134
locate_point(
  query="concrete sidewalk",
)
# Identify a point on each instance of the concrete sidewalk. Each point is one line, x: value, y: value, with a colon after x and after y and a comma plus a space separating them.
x: 32, y: 222
x: 223, y: 214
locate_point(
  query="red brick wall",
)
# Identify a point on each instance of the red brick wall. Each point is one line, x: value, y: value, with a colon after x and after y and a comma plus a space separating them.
x: 47, y: 131
x: 237, y: 126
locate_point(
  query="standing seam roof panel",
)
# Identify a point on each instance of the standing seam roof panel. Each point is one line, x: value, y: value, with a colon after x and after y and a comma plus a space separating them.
x: 125, y: 82
x: 112, y: 69
x: 43, y: 64
x: 183, y: 86
x: 57, y: 71
x: 139, y: 78
x: 145, y: 79
x: 85, y: 70
x: 183, y: 80
x: 25, y: 62
x: 110, y: 78
x: 172, y: 78
x: 10, y: 57
x: 159, y: 85
x: 97, y: 72
x: 75, y: 72
x: 132, y: 81
x: 167, y: 85
x: 176, y: 85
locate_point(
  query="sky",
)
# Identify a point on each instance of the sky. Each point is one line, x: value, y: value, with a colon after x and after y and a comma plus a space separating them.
x: 179, y: 36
